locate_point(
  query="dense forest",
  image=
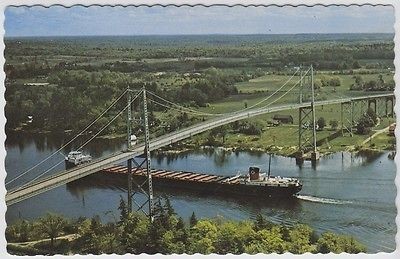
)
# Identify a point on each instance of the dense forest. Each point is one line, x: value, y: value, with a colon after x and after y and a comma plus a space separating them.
x: 132, y: 233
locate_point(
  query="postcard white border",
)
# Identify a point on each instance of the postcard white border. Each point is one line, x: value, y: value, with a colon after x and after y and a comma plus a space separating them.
x: 4, y: 3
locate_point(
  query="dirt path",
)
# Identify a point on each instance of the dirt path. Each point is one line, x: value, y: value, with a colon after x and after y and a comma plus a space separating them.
x: 69, y: 237
x: 374, y: 135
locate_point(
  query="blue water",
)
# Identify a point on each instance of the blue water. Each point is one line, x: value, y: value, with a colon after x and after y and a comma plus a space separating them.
x: 344, y: 193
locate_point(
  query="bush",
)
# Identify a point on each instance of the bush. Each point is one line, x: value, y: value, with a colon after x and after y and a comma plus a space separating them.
x: 321, y: 123
x: 334, y: 124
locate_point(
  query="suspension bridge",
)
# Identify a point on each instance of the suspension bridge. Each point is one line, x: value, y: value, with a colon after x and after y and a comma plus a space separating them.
x: 43, y: 182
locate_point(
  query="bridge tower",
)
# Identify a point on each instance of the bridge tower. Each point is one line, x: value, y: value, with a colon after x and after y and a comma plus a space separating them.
x: 144, y: 165
x: 307, y: 122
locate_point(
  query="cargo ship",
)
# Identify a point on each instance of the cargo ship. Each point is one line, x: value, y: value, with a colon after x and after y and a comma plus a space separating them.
x: 252, y: 184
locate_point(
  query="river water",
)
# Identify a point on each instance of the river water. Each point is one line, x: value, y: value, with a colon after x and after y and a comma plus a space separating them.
x: 344, y: 193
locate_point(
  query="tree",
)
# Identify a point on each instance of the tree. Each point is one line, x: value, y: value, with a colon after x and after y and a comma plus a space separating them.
x: 381, y: 81
x: 330, y: 242
x: 318, y: 84
x: 202, y: 237
x: 250, y: 128
x: 18, y: 232
x: 267, y: 241
x: 321, y: 123
x: 193, y: 220
x: 356, y: 64
x: 334, y: 81
x: 363, y: 126
x: 233, y: 236
x: 221, y: 131
x: 370, y: 114
x: 123, y: 210
x: 371, y: 85
x: 334, y: 124
x: 261, y: 223
x: 134, y: 234
x: 168, y: 207
x: 300, y: 239
x: 52, y: 225
x: 368, y: 120
x: 359, y: 83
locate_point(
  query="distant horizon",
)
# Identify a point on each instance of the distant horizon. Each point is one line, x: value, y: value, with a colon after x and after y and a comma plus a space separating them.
x: 206, y: 34
x: 56, y: 21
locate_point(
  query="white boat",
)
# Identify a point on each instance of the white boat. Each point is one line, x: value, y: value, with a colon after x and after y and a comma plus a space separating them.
x: 77, y: 158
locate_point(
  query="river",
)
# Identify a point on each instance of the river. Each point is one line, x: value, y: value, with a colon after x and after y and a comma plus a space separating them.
x: 345, y: 193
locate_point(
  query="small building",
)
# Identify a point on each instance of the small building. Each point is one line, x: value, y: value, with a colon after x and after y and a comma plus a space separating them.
x: 36, y: 84
x: 283, y: 118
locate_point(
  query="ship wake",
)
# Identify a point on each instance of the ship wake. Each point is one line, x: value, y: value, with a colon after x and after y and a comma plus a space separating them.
x: 322, y: 200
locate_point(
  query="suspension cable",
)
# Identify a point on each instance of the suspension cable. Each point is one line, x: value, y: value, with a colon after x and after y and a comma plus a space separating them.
x: 277, y: 90
x: 218, y: 114
x: 182, y: 107
x: 176, y: 109
x: 103, y: 128
x: 280, y: 97
x: 69, y: 142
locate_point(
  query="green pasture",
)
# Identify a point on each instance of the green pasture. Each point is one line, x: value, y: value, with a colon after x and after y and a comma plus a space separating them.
x: 273, y: 82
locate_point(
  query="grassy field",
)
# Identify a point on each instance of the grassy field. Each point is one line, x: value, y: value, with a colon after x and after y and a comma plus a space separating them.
x: 283, y: 140
x: 272, y: 82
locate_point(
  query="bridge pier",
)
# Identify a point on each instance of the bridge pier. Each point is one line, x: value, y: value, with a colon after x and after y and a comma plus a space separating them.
x: 315, y: 156
x: 370, y: 102
x: 391, y: 100
x: 299, y: 158
x: 130, y: 194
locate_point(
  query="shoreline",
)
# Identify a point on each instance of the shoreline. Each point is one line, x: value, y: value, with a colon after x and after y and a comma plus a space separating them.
x: 65, y: 133
x: 186, y: 149
x: 181, y: 148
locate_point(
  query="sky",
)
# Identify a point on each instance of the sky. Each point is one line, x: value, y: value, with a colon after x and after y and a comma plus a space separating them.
x: 95, y: 20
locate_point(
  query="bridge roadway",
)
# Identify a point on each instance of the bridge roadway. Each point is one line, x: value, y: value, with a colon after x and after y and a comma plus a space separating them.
x: 19, y: 194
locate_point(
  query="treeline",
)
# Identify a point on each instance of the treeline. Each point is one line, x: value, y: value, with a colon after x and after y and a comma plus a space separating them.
x: 57, y: 108
x: 75, y: 98
x: 132, y: 233
x: 191, y: 46
x: 22, y: 55
x: 324, y: 81
x: 372, y: 85
x: 339, y: 56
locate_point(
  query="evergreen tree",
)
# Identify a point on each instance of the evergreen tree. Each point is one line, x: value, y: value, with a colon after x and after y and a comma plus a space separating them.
x: 123, y: 210
x: 168, y: 207
x: 261, y: 223
x: 193, y: 220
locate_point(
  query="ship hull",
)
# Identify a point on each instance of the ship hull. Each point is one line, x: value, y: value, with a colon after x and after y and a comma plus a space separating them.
x: 219, y: 188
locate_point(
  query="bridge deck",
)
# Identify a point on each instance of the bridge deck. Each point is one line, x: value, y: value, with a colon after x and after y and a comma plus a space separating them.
x: 48, y: 183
